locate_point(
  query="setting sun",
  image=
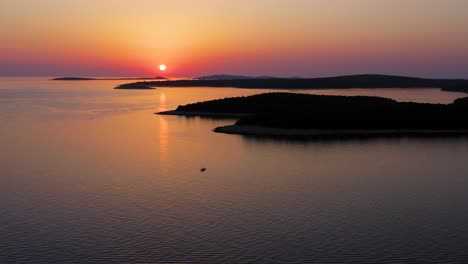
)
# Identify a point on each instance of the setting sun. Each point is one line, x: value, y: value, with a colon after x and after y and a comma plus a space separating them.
x: 207, y: 131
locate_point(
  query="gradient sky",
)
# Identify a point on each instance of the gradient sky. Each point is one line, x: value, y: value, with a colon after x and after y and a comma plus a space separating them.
x: 309, y: 38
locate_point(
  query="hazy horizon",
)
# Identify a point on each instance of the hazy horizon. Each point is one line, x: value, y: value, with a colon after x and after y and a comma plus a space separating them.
x: 210, y: 74
x: 265, y: 37
x: 108, y: 169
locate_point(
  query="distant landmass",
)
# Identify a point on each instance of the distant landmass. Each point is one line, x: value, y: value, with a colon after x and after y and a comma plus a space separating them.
x: 105, y: 79
x: 340, y: 82
x: 290, y: 114
x: 73, y: 79
x: 137, y: 86
x: 232, y: 77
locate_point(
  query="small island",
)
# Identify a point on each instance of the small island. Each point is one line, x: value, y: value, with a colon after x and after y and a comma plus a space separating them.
x: 107, y: 79
x: 292, y: 114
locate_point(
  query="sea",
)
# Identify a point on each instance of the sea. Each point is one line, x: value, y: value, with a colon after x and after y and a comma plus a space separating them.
x: 90, y: 174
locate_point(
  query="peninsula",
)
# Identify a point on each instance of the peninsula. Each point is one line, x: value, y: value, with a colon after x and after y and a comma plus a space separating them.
x: 340, y: 82
x: 291, y: 114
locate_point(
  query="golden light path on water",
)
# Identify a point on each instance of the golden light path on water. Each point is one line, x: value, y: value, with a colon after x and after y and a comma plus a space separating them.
x: 90, y: 171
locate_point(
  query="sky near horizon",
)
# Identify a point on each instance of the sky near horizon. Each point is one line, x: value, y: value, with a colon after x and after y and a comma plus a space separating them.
x: 309, y: 38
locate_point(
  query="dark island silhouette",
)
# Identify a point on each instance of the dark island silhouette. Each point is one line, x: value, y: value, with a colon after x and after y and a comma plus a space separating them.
x: 137, y: 86
x: 106, y: 79
x: 340, y: 82
x: 231, y: 77
x: 73, y: 79
x: 291, y: 114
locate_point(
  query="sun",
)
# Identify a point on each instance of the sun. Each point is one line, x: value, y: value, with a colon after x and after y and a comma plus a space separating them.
x: 162, y: 67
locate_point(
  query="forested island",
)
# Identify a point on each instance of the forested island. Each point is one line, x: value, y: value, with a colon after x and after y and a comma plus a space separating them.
x: 340, y: 82
x: 291, y: 114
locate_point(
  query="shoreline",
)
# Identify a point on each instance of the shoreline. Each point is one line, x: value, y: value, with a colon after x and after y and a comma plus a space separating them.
x: 135, y: 88
x: 202, y: 114
x: 294, y: 132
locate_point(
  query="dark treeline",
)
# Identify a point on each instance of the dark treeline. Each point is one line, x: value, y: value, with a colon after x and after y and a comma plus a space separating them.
x: 342, y: 82
x: 289, y: 110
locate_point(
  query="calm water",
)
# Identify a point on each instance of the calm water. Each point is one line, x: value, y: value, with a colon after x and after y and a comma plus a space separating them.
x: 90, y: 175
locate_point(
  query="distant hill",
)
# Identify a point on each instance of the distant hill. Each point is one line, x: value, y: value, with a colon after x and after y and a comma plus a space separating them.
x: 231, y: 77
x: 339, y: 82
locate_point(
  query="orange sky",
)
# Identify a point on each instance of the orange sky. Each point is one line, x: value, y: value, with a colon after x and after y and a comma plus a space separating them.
x: 261, y: 37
